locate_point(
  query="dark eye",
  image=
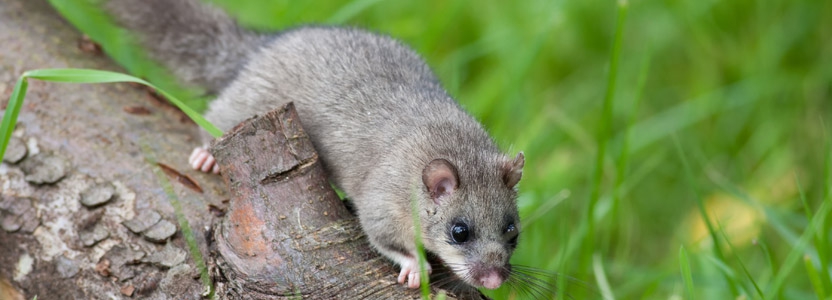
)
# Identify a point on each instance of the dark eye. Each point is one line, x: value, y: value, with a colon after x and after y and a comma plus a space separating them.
x: 511, y: 229
x: 459, y: 232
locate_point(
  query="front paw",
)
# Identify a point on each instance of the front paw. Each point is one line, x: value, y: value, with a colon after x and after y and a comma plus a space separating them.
x: 410, y: 272
x: 202, y: 160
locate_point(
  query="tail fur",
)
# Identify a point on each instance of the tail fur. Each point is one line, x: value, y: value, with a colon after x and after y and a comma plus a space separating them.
x: 199, y: 43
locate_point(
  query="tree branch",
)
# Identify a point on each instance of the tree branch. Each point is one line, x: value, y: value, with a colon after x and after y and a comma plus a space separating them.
x: 286, y: 232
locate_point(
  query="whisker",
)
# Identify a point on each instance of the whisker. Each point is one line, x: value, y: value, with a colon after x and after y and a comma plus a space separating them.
x: 540, y: 291
x: 553, y: 275
x: 542, y: 279
x: 522, y: 281
x: 537, y: 281
x: 521, y: 288
x: 526, y: 269
x: 533, y: 283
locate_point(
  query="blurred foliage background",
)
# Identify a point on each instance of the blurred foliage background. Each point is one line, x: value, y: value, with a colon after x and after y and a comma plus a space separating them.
x: 714, y: 181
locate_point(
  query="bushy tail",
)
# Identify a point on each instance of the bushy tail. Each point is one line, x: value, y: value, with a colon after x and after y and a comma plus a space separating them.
x: 199, y: 43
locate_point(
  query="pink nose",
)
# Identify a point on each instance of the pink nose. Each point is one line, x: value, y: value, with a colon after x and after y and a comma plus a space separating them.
x: 491, y: 280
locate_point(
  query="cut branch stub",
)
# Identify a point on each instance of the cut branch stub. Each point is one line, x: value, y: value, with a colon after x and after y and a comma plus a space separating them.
x: 286, y: 232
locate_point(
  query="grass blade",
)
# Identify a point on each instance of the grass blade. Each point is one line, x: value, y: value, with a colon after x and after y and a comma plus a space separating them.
x: 687, y: 277
x: 604, y: 132
x: 98, y: 76
x: 796, y: 253
x: 717, y: 245
x: 742, y: 265
x: 420, y: 248
x: 601, y: 278
x: 818, y: 279
x: 184, y: 226
x: 822, y: 242
x: 10, y: 116
x: 814, y: 277
x: 91, y: 18
x: 623, y: 163
x: 82, y: 76
x: 773, y: 265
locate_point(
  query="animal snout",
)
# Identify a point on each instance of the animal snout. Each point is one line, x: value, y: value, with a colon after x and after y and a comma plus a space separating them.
x: 491, y: 279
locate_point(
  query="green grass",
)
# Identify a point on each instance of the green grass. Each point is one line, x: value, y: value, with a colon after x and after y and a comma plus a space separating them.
x: 18, y: 96
x: 184, y: 225
x: 684, y: 263
x: 689, y: 160
x: 424, y: 278
x: 602, y: 138
x: 87, y: 16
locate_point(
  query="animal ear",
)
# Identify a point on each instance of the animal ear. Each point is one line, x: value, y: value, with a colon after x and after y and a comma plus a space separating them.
x: 512, y: 170
x: 440, y: 179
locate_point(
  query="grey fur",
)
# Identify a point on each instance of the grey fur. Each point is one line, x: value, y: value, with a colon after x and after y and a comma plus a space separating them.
x: 373, y: 108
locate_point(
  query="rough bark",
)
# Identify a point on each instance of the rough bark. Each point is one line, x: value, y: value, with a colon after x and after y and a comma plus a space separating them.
x: 84, y: 216
x: 287, y: 234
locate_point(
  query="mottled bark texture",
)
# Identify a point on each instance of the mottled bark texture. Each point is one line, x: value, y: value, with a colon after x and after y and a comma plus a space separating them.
x: 79, y: 176
x: 84, y: 216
